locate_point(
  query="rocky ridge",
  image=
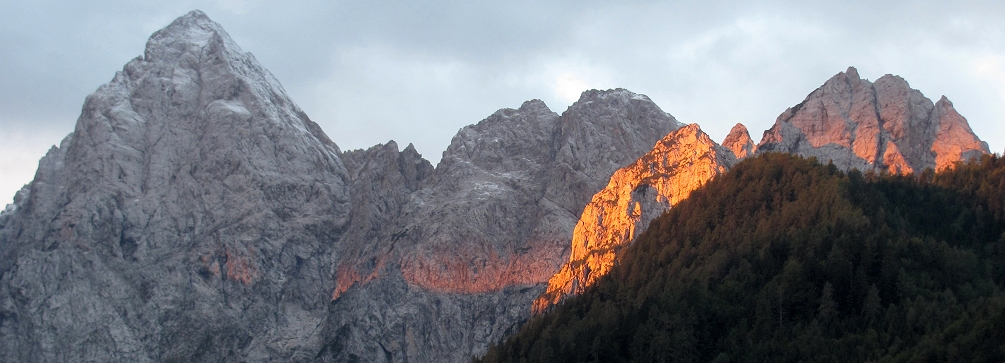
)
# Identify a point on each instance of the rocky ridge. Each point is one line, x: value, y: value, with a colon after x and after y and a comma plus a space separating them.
x: 197, y: 214
x: 190, y: 216
x: 636, y: 194
x: 882, y: 126
x: 476, y: 243
x: 851, y: 122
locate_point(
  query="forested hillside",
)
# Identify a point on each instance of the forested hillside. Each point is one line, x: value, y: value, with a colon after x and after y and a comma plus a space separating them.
x: 784, y: 260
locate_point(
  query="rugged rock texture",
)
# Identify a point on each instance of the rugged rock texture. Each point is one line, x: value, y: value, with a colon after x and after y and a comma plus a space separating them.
x: 192, y: 216
x: 738, y: 141
x: 636, y: 194
x: 849, y: 121
x: 476, y: 244
x: 885, y: 125
x: 382, y: 182
x: 197, y: 214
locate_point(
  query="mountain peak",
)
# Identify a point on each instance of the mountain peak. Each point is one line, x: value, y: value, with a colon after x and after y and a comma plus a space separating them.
x: 883, y: 126
x: 739, y: 142
x: 682, y: 161
x: 191, y: 31
x: 616, y: 93
x: 852, y: 72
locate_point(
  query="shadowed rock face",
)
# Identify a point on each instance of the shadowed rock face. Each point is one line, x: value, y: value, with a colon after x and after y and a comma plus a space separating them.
x: 197, y: 214
x: 190, y: 216
x: 884, y: 125
x: 679, y: 163
x: 478, y: 241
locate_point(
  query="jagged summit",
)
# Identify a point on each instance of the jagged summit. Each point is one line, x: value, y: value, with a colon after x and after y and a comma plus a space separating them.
x: 618, y: 93
x: 197, y: 214
x: 885, y: 125
x: 852, y: 72
x: 679, y: 163
x: 738, y: 141
x: 167, y: 226
x: 192, y: 30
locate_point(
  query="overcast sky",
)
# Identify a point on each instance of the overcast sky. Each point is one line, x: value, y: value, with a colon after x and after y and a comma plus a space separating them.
x: 417, y: 71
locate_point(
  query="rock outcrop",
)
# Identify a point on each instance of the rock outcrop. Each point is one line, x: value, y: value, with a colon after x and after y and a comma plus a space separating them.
x: 197, y: 214
x: 738, y: 141
x: 479, y: 240
x: 636, y: 194
x: 886, y: 126
x: 882, y: 126
x: 191, y: 216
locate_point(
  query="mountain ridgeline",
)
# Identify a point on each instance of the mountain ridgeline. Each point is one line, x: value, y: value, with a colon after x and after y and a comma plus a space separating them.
x: 197, y: 214
x: 783, y: 259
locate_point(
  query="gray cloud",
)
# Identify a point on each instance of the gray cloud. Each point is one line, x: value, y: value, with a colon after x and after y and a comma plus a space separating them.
x: 416, y: 71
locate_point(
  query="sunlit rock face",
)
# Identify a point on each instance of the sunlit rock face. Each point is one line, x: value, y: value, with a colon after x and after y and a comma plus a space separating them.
x: 738, y: 141
x: 636, y: 194
x: 197, y: 214
x: 477, y: 242
x: 509, y: 189
x: 882, y: 126
x: 191, y: 216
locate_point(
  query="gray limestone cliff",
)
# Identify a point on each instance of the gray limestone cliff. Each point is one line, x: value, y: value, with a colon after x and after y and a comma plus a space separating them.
x: 197, y: 214
x: 479, y: 240
x: 883, y: 126
x: 190, y: 217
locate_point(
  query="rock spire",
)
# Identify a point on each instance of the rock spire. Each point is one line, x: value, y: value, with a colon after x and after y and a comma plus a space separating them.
x: 883, y: 126
x: 679, y: 163
x: 738, y: 141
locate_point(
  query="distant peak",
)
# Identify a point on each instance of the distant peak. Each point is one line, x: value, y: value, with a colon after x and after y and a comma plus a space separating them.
x: 534, y: 104
x: 738, y: 141
x: 193, y: 20
x: 192, y: 30
x: 195, y: 15
x: 619, y: 93
x: 738, y: 129
x: 945, y: 100
x: 852, y: 72
x: 690, y: 128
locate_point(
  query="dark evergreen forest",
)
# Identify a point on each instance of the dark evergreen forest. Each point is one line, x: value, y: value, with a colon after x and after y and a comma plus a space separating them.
x: 783, y: 259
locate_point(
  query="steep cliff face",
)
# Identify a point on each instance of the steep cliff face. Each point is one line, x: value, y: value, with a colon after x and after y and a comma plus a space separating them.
x: 477, y: 227
x: 190, y: 216
x: 885, y: 125
x: 636, y: 194
x: 503, y: 200
x: 738, y: 141
x: 382, y: 183
x: 476, y: 244
x: 197, y: 214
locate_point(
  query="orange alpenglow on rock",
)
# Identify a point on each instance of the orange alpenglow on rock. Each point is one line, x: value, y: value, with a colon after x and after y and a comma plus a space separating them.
x: 738, y: 141
x: 679, y: 163
x: 882, y: 126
